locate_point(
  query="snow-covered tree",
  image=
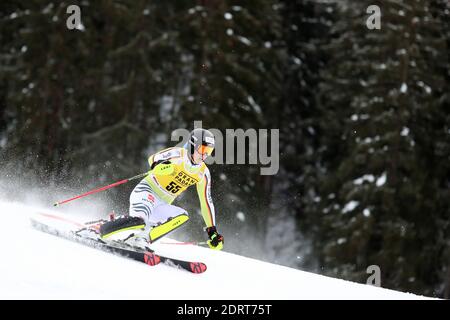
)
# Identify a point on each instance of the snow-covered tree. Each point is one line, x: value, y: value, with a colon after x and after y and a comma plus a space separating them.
x: 386, y: 147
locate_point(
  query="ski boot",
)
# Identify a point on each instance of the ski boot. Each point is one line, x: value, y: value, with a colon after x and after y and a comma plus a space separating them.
x: 121, y: 228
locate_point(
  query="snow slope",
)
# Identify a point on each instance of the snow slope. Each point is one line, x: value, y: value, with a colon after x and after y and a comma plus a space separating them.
x: 36, y: 265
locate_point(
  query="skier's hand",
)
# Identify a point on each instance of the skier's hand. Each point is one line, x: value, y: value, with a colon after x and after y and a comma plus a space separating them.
x: 215, y: 239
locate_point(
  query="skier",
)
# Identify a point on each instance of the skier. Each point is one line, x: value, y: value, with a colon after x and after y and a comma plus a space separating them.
x: 151, y: 214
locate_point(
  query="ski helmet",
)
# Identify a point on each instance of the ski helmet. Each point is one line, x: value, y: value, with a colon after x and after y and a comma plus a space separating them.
x: 201, y: 140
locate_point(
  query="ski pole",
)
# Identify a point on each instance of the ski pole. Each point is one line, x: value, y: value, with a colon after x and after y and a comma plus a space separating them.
x: 186, y: 243
x: 140, y: 176
x: 160, y: 169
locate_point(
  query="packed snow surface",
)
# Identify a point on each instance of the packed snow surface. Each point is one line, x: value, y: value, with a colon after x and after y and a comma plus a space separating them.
x: 36, y: 265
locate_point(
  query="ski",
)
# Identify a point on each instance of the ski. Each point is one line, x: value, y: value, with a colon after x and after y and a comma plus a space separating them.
x: 148, y: 256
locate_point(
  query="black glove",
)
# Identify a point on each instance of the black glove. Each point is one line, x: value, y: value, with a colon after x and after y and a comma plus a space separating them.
x: 215, y: 239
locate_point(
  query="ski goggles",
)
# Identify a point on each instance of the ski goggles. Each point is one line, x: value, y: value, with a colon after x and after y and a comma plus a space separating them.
x: 205, y: 150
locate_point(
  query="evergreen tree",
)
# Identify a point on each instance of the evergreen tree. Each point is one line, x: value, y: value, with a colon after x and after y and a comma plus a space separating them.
x: 306, y: 26
x: 84, y: 104
x: 385, y: 148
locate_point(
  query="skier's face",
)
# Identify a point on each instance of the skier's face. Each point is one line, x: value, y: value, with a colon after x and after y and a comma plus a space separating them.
x: 201, y: 154
x: 198, y: 158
